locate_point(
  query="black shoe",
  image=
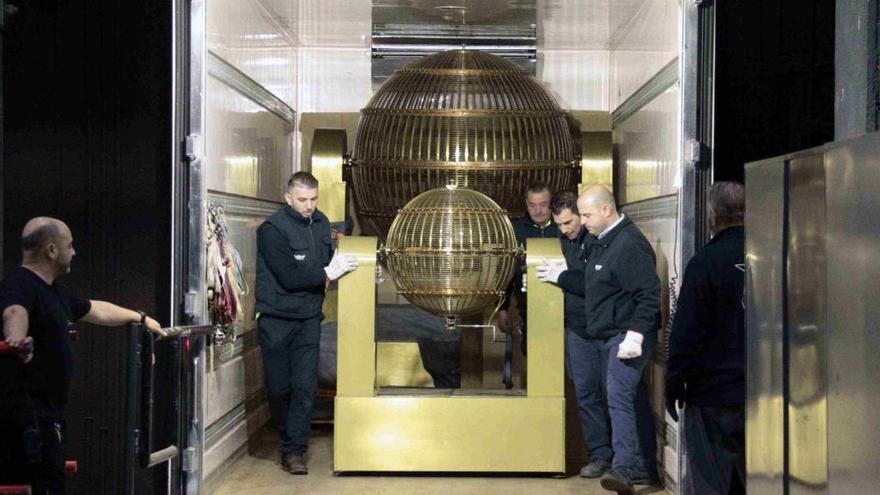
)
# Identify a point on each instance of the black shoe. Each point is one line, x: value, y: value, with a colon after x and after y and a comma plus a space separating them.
x: 294, y: 463
x: 616, y: 481
x: 595, y: 469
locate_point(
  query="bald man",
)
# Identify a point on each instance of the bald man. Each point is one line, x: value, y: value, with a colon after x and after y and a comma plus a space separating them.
x: 37, y: 314
x: 622, y: 303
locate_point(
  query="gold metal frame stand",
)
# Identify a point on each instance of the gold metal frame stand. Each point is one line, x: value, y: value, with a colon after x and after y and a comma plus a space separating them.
x: 452, y: 432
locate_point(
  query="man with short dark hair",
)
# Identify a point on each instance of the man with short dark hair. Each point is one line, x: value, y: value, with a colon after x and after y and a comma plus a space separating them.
x: 583, y: 352
x: 706, y: 365
x: 536, y: 223
x: 37, y: 314
x: 295, y: 262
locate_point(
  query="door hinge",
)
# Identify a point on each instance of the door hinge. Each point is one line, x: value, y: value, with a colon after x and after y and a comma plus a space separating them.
x: 692, y: 152
x: 188, y: 459
x: 191, y: 147
x: 189, y: 303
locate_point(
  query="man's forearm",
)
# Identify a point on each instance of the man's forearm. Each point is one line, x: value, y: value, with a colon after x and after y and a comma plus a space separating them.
x: 110, y: 315
x: 15, y: 323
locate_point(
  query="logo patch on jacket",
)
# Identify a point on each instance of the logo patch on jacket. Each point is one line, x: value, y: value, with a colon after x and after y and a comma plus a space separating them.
x: 598, y: 267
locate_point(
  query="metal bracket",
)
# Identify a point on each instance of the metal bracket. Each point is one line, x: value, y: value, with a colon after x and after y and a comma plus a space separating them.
x: 692, y: 152
x: 189, y: 303
x: 188, y: 459
x: 191, y: 147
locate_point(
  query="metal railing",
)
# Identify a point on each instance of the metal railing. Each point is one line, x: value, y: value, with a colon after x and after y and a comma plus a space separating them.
x: 141, y: 450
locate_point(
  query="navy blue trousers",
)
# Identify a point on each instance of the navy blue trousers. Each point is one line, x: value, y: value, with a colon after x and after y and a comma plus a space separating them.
x: 290, y: 358
x: 613, y: 403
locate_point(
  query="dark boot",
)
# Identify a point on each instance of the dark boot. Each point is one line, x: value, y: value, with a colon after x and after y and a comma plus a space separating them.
x: 294, y: 463
x: 616, y: 481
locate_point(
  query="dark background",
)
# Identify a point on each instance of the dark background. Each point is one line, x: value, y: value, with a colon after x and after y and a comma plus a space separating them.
x: 774, y: 80
x: 87, y: 139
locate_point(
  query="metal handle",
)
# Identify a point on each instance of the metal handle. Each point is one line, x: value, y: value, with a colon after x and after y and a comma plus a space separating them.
x: 160, y: 456
x: 184, y: 331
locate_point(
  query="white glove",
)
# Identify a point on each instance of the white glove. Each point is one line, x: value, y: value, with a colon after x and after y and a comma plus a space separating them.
x: 631, y: 347
x: 339, y: 265
x: 550, y: 271
x: 380, y: 274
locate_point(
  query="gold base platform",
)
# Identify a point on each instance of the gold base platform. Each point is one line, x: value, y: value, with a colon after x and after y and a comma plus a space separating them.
x: 449, y: 434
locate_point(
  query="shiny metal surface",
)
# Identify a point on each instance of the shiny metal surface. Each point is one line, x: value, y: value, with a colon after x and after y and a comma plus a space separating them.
x: 231, y: 76
x: 647, y: 149
x: 546, y: 342
x: 258, y: 38
x: 192, y: 427
x: 329, y: 148
x: 460, y: 116
x: 449, y: 434
x: 250, y: 148
x: 643, y: 37
x: 452, y: 252
x: 399, y: 364
x: 765, y: 197
x: 578, y: 78
x: 597, y: 164
x: 697, y: 121
x: 356, y: 330
x: 853, y: 312
x: 807, y: 331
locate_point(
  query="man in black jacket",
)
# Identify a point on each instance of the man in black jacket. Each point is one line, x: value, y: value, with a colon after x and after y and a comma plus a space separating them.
x: 535, y: 224
x: 295, y: 262
x: 706, y: 366
x: 622, y: 310
x: 584, y: 355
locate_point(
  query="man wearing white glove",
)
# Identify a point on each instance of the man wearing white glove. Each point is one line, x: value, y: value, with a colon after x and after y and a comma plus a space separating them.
x: 586, y: 355
x: 339, y: 265
x: 622, y: 303
x: 295, y: 262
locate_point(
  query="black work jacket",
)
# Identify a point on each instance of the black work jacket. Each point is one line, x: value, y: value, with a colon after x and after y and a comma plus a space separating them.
x: 707, y: 343
x: 572, y: 281
x: 525, y: 229
x: 621, y: 286
x: 292, y: 252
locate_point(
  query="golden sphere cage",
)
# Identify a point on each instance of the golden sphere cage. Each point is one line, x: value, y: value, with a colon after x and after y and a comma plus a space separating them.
x: 464, y: 117
x: 451, y: 252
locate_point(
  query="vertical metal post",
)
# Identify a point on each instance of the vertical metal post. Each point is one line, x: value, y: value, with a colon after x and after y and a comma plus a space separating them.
x: 697, y: 131
x: 188, y: 267
x: 133, y: 389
